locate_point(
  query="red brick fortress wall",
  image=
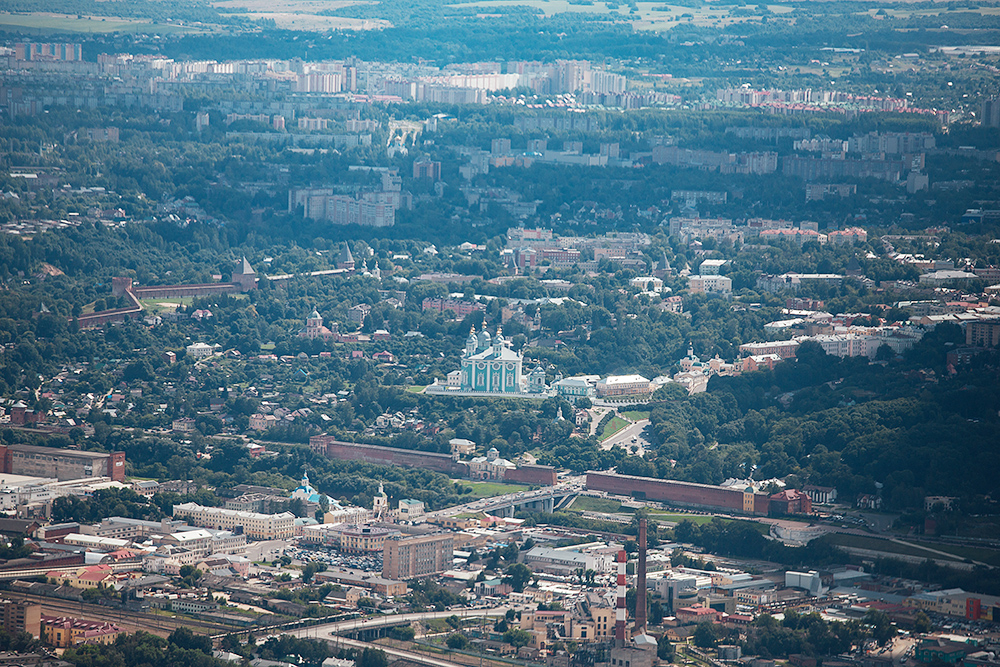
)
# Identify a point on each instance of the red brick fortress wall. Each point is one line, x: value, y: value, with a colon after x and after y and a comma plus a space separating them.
x: 541, y: 475
x: 687, y: 494
x: 353, y: 451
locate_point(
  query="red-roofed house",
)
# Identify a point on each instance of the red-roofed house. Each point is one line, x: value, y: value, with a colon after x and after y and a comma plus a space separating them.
x: 790, y: 501
x: 697, y: 614
x: 92, y: 576
x: 64, y: 631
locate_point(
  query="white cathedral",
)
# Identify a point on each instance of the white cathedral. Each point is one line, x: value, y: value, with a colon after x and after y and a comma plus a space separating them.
x: 491, y: 368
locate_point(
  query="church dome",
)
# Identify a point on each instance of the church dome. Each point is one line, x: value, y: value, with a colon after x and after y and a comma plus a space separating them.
x: 314, y: 315
x: 485, y: 340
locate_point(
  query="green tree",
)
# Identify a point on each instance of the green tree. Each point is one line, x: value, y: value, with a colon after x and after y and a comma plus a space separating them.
x: 371, y: 657
x: 518, y: 575
x: 704, y: 636
x: 517, y: 637
x: 184, y: 638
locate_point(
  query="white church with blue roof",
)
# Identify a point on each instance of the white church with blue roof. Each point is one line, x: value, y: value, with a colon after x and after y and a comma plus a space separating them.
x: 491, y: 368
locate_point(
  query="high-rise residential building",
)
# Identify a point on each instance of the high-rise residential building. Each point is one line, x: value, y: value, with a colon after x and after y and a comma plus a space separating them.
x: 991, y: 112
x: 416, y: 556
x: 21, y: 616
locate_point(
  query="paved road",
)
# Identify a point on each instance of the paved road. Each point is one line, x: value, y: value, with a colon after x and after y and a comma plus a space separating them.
x: 490, y: 504
x: 623, y: 438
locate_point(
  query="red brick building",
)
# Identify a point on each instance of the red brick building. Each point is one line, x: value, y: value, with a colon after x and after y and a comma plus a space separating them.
x: 791, y: 501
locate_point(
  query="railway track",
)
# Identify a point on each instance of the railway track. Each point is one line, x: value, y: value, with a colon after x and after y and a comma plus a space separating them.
x: 127, y: 620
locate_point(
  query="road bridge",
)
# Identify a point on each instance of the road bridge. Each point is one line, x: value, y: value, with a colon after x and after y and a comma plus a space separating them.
x: 545, y: 499
x: 29, y: 572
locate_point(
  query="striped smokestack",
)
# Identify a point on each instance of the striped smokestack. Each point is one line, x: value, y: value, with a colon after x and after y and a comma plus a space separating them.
x: 640, y: 583
x: 620, y: 606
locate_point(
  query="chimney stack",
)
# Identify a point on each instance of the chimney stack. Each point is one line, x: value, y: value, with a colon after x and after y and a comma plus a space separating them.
x: 620, y: 606
x: 640, y: 583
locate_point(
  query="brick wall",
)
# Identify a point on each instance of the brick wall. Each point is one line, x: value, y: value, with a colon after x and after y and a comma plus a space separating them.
x: 352, y: 451
x: 679, y: 493
x: 541, y: 475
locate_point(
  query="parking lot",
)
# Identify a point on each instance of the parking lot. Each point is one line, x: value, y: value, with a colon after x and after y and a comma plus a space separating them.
x: 308, y: 553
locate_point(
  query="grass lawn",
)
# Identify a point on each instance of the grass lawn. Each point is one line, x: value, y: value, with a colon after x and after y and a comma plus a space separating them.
x: 436, y: 625
x: 416, y: 389
x: 165, y: 305
x: 635, y: 415
x: 490, y: 489
x: 877, y: 544
x: 616, y: 424
x: 591, y: 504
x: 991, y: 556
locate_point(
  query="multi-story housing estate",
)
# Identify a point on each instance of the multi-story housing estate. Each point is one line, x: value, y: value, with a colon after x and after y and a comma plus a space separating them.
x: 21, y: 616
x: 702, y: 228
x: 61, y: 464
x: 253, y: 524
x: 793, y: 281
x: 459, y: 308
x: 710, y: 284
x: 783, y: 348
x: 416, y: 556
x: 205, y: 542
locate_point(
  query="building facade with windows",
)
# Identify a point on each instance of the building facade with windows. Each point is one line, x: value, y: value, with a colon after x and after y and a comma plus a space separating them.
x: 416, y: 556
x: 254, y: 525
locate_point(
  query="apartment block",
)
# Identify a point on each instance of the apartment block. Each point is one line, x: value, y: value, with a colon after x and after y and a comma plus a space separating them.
x: 409, y: 557
x: 254, y: 525
x: 710, y: 285
x: 62, y: 464
x: 21, y: 616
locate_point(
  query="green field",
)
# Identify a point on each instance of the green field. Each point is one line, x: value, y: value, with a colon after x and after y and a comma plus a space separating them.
x: 877, y: 544
x: 591, y: 504
x: 68, y: 23
x: 990, y: 556
x: 616, y: 424
x: 415, y: 389
x: 635, y: 415
x: 648, y: 15
x: 165, y: 305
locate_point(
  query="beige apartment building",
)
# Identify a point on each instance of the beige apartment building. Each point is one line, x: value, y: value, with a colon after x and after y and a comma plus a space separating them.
x: 416, y: 556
